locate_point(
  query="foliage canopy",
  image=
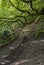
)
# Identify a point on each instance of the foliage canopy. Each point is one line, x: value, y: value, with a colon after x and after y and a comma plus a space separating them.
x: 17, y: 13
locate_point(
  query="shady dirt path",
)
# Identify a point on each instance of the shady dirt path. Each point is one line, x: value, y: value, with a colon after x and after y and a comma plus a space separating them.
x: 28, y: 51
x: 7, y: 49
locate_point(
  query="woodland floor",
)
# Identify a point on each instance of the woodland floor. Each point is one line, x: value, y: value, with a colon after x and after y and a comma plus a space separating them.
x: 29, y: 51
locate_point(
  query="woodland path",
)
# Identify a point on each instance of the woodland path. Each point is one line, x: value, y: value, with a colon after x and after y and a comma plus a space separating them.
x: 28, y: 52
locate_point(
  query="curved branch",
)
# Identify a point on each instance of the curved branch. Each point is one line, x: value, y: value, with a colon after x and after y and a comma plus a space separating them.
x: 18, y: 8
x: 31, y: 5
x: 12, y: 19
x: 22, y: 17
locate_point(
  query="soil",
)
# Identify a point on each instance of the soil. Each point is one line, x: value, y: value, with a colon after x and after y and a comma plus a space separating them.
x: 30, y: 51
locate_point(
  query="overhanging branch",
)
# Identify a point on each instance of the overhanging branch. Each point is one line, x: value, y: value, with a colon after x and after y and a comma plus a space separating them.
x: 18, y: 8
x: 31, y: 4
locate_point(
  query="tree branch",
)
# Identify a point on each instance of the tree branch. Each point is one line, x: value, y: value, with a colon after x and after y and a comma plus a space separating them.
x: 18, y: 8
x: 31, y: 5
x: 13, y: 19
